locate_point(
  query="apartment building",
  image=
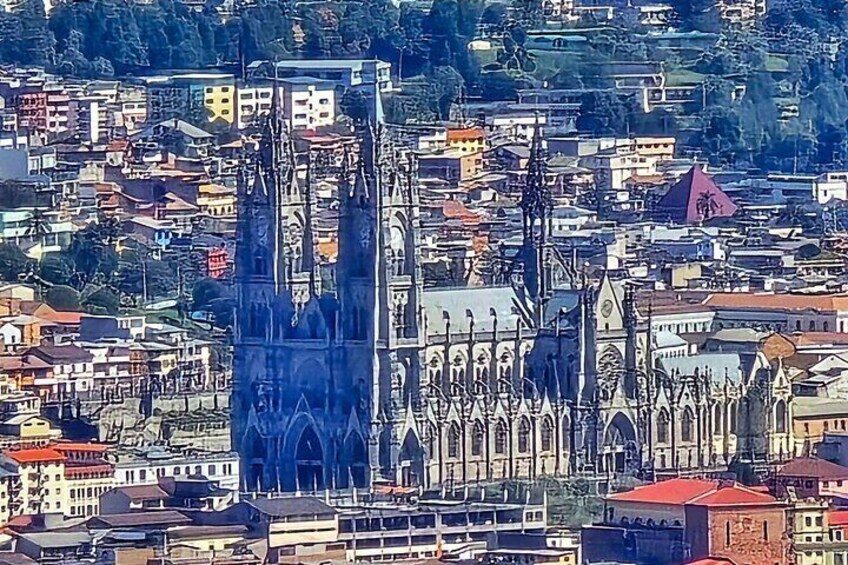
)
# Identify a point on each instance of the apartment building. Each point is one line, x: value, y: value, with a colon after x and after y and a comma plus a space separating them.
x: 308, y: 102
x: 210, y: 96
x: 88, y: 475
x: 148, y: 466
x: 42, y: 486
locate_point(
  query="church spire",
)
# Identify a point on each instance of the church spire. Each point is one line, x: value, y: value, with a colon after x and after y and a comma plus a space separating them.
x: 309, y: 263
x: 536, y: 204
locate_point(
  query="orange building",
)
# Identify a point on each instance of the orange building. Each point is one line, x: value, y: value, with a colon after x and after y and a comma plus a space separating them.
x: 467, y: 140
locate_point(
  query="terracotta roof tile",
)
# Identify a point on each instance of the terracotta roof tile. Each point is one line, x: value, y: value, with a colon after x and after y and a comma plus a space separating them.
x: 735, y: 495
x: 672, y: 491
x: 767, y: 301
x: 819, y: 338
x: 837, y: 518
x: 79, y: 447
x: 465, y: 134
x: 813, y: 467
x: 43, y: 455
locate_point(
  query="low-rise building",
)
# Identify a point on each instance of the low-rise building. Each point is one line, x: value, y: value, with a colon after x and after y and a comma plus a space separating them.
x: 147, y: 467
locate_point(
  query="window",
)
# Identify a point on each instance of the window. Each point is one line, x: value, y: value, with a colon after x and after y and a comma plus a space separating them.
x: 176, y: 470
x: 453, y: 441
x: 718, y: 420
x: 524, y: 436
x: 547, y: 434
x: 780, y: 417
x: 731, y: 416
x: 812, y: 325
x: 500, y: 437
x: 142, y: 475
x: 765, y: 530
x: 687, y: 425
x: 727, y: 534
x: 662, y: 426
x: 477, y: 439
x: 212, y: 470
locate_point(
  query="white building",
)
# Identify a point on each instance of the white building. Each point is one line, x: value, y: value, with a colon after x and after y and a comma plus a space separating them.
x: 831, y: 186
x: 148, y: 467
x: 308, y: 102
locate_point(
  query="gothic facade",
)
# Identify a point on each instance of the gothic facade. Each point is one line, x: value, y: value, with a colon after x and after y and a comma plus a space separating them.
x: 551, y: 374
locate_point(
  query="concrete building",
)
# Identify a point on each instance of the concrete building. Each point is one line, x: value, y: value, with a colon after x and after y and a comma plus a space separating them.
x: 308, y: 102
x: 146, y: 468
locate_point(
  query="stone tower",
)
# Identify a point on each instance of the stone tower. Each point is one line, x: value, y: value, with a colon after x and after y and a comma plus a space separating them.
x: 323, y: 383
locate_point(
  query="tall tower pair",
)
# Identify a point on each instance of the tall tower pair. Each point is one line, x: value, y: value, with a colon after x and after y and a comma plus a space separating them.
x: 321, y: 383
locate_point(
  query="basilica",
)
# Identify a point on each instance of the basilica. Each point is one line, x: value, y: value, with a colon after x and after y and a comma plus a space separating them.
x: 553, y: 373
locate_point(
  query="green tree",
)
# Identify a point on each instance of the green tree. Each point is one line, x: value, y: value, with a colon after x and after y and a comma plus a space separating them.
x: 37, y: 224
x: 36, y: 43
x: 56, y: 268
x: 13, y: 262
x: 205, y: 291
x: 63, y: 298
x: 697, y: 15
x: 102, y: 301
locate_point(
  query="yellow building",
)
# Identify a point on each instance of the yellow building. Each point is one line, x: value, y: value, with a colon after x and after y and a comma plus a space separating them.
x: 42, y: 481
x: 65, y: 477
x: 216, y: 200
x: 219, y: 100
x: 467, y: 140
x: 87, y: 476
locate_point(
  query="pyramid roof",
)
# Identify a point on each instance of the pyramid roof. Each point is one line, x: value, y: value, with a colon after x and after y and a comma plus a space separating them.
x: 683, y: 202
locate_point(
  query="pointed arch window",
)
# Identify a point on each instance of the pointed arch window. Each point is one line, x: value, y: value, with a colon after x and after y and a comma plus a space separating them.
x: 718, y: 420
x: 501, y: 437
x: 732, y: 414
x: 662, y: 426
x: 780, y: 417
x: 687, y: 425
x: 547, y: 434
x: 524, y: 436
x: 454, y: 438
x: 566, y: 433
x: 478, y: 439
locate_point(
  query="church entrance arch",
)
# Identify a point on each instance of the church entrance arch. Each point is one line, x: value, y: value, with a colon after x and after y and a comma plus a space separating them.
x: 253, y: 447
x: 309, y: 461
x: 356, y: 457
x: 619, y: 453
x: 411, y: 461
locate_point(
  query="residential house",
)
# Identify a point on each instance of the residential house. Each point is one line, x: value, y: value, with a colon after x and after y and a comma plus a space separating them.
x: 811, y: 477
x: 673, y: 520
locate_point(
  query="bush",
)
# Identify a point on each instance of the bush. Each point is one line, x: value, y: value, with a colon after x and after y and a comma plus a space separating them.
x: 63, y: 298
x: 102, y: 301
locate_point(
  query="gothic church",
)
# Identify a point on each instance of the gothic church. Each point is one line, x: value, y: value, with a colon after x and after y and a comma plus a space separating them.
x: 382, y: 379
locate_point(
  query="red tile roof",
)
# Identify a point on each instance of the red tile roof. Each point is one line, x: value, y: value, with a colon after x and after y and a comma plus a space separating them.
x: 672, y: 491
x: 785, y: 301
x: 813, y: 467
x: 693, y: 491
x: 735, y: 495
x: 69, y: 446
x: 837, y: 518
x: 466, y: 134
x: 683, y: 202
x: 817, y: 338
x: 43, y: 455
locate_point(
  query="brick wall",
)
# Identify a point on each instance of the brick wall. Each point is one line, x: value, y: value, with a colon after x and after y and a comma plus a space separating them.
x: 745, y: 535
